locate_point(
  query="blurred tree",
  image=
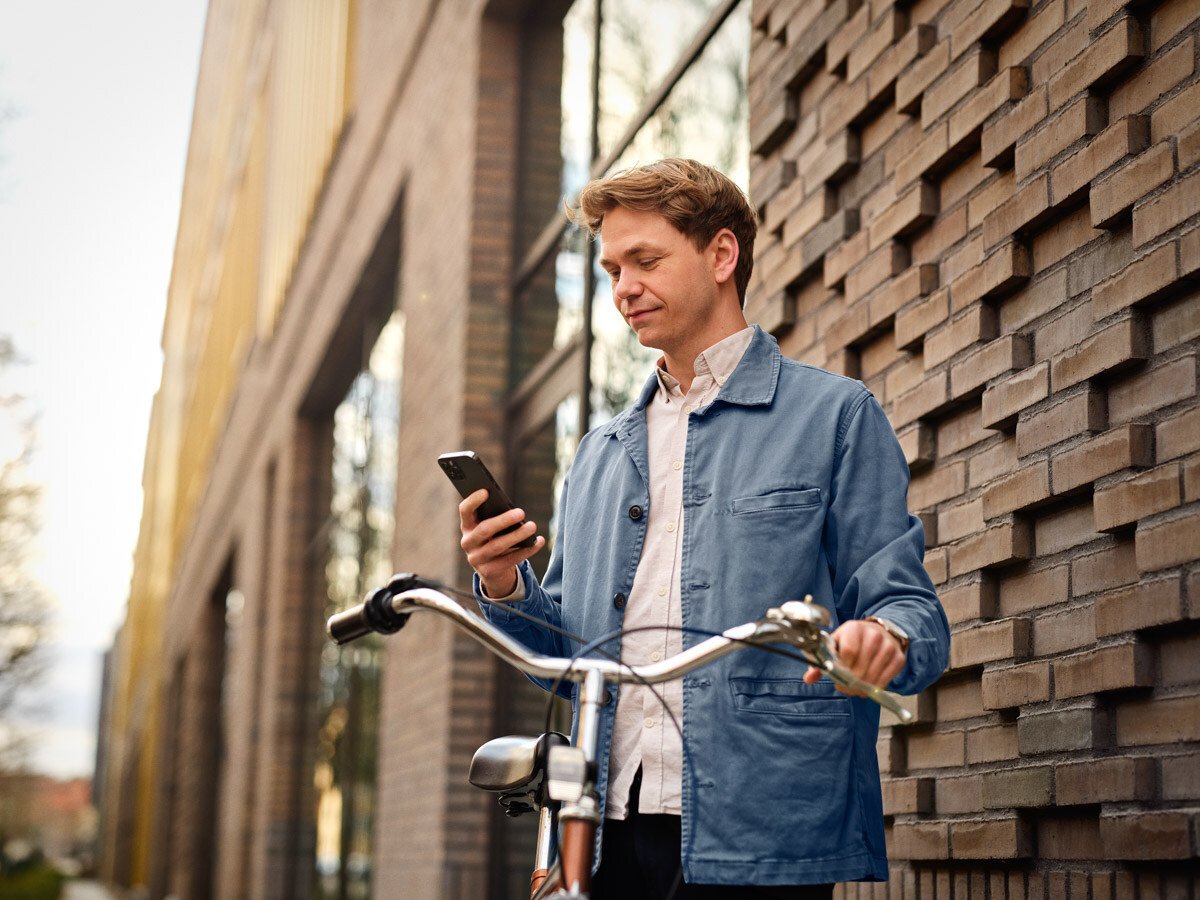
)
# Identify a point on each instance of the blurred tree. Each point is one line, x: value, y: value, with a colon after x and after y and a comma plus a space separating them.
x: 24, y: 604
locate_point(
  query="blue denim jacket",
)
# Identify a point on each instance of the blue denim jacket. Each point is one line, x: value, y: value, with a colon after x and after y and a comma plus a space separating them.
x: 793, y: 484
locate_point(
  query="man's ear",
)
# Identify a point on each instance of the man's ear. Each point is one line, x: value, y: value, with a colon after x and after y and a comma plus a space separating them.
x: 725, y: 253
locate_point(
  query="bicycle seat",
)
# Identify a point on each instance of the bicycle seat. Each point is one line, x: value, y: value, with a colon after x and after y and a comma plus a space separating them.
x: 512, y: 763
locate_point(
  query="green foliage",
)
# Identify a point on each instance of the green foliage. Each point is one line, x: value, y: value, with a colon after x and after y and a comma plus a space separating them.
x: 35, y: 882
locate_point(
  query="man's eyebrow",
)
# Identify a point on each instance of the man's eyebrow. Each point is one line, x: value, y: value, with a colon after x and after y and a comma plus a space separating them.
x: 635, y: 250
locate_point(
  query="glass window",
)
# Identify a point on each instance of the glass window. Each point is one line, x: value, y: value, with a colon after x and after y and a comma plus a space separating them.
x: 705, y: 117
x: 361, y: 524
x: 640, y: 44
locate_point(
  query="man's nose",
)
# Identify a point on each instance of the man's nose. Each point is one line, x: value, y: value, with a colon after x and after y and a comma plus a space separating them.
x: 628, y: 285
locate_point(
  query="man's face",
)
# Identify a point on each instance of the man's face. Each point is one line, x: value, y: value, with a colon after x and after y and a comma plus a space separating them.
x: 662, y: 285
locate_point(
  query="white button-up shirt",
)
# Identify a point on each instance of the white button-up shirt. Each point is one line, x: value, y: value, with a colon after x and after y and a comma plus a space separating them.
x: 643, y: 733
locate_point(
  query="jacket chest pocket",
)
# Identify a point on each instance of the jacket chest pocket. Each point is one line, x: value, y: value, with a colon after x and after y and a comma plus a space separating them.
x: 787, y: 697
x: 786, y: 499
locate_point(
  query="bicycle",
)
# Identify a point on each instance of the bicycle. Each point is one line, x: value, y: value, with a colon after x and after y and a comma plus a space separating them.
x: 550, y: 773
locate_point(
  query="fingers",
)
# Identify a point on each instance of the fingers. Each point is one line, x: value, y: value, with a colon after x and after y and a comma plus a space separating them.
x: 492, y: 554
x: 869, y: 652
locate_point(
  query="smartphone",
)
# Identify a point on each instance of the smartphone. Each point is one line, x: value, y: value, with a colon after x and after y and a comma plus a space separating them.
x: 468, y: 473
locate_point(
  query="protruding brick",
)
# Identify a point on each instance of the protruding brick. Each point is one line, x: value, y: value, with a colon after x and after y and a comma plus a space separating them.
x: 1024, y: 489
x: 1125, y: 502
x: 1181, y: 777
x: 1150, y: 835
x: 1010, y: 838
x: 931, y: 488
x: 1000, y: 545
x: 1114, y: 195
x: 1112, y: 567
x: 947, y: 91
x: 883, y: 33
x: 1081, y: 118
x: 899, y: 58
x: 1143, y: 605
x: 973, y: 600
x: 913, y: 322
x: 1158, y: 720
x: 1014, y: 686
x: 816, y: 208
x: 1084, y: 412
x: 1142, y: 280
x: 1026, y: 787
x: 1128, y: 446
x: 1166, y: 544
x: 1022, y: 211
x: 966, y: 122
x: 979, y: 644
x: 935, y: 750
x: 920, y: 840
x: 840, y: 157
x: 845, y: 256
x: 1166, y: 210
x: 1119, y: 346
x: 1108, y: 780
x: 990, y: 18
x: 1106, y: 669
x: 991, y: 743
x: 917, y: 443
x: 999, y: 357
x: 887, y: 261
x: 913, y: 208
x: 914, y: 282
x: 1000, y: 137
x: 1004, y: 400
x: 977, y: 324
x: 1105, y: 58
x: 925, y: 158
x: 1003, y: 271
x: 845, y: 38
x: 907, y: 795
x: 927, y: 398
x: 1060, y: 730
x: 1123, y: 138
x: 911, y: 85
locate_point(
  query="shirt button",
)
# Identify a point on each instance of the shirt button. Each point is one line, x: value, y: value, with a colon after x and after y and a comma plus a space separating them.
x: 662, y: 590
x: 619, y: 601
x: 677, y: 465
x: 655, y: 656
x: 689, y: 408
x: 649, y: 723
x: 635, y: 512
x: 670, y: 526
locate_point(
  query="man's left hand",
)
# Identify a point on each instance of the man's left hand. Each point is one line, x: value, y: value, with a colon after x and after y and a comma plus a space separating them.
x: 867, y: 650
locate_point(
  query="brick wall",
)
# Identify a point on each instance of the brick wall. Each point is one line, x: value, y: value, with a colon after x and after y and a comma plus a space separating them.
x: 987, y: 211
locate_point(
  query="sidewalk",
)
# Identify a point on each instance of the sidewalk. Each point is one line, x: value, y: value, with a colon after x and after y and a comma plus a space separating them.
x: 87, y: 890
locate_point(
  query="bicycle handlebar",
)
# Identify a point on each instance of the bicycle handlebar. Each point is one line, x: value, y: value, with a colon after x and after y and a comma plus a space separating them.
x: 796, y: 623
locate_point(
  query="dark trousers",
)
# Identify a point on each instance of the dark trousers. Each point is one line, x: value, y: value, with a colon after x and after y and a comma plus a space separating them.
x: 640, y: 860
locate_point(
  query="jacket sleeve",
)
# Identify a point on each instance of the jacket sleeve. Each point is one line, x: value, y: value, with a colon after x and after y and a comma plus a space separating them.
x: 876, y: 548
x: 541, y: 601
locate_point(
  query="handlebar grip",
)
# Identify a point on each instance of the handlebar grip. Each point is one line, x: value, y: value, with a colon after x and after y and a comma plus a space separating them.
x: 376, y: 613
x: 349, y: 625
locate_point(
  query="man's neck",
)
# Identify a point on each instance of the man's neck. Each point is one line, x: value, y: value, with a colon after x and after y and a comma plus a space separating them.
x: 681, y: 364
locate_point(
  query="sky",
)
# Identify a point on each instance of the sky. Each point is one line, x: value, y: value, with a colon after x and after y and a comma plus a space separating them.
x: 92, y: 156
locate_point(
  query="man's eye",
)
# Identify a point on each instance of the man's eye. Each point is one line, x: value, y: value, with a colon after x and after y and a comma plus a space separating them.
x: 649, y: 263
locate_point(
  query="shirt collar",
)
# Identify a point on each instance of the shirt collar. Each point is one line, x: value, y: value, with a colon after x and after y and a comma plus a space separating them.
x: 719, y: 360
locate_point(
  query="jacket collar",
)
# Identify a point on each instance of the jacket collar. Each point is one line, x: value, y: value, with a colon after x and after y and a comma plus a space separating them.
x: 752, y: 383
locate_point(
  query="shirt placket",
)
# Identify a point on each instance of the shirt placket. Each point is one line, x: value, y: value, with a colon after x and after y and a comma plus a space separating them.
x: 660, y: 741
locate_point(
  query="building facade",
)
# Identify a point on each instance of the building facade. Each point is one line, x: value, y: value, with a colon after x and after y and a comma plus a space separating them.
x: 987, y: 211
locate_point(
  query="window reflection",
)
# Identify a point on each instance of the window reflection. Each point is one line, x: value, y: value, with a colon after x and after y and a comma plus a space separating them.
x: 361, y: 524
x: 706, y: 117
x: 641, y: 42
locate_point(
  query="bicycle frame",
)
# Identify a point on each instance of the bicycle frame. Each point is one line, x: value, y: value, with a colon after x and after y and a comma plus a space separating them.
x: 571, y: 772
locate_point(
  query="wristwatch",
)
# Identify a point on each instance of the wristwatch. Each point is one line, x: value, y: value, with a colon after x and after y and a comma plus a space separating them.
x: 893, y: 629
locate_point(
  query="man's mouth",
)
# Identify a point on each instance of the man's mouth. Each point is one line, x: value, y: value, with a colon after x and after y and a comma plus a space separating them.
x: 635, y: 316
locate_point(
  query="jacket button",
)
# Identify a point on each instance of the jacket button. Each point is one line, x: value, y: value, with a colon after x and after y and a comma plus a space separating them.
x: 635, y: 512
x: 619, y: 601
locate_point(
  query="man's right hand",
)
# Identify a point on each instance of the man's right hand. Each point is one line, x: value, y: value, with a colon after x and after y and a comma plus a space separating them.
x: 494, y: 556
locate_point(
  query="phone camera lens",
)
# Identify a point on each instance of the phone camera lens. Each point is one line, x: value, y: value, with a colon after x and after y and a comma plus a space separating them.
x: 454, y: 471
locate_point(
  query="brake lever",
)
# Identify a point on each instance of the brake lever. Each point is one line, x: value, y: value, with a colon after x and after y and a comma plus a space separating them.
x: 803, y: 621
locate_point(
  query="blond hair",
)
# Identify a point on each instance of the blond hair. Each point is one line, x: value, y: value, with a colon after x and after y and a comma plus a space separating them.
x: 696, y: 199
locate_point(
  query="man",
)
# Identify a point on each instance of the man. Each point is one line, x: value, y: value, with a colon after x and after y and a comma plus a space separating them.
x: 737, y: 480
